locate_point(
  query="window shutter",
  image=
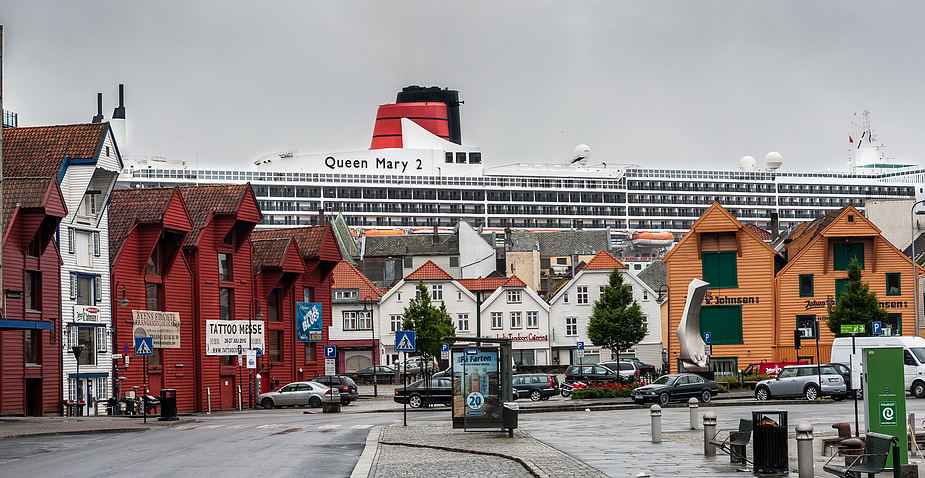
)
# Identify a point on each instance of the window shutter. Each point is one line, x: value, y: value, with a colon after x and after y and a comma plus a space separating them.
x: 101, y: 339
x: 98, y: 285
x: 96, y: 243
x: 71, y: 240
x: 73, y: 285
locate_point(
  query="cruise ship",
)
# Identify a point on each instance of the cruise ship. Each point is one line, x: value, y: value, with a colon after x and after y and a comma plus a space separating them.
x: 417, y: 174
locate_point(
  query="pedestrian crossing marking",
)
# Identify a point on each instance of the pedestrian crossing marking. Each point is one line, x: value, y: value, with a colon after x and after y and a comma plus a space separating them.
x: 328, y: 426
x: 184, y: 427
x: 211, y: 426
x: 271, y: 425
x: 241, y: 426
x: 360, y: 427
x: 297, y: 426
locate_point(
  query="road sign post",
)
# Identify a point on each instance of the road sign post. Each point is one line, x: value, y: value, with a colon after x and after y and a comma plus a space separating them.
x: 144, y: 346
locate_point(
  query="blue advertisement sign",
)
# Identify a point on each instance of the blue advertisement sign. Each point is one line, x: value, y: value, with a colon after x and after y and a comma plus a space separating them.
x: 308, y: 322
x: 477, y: 376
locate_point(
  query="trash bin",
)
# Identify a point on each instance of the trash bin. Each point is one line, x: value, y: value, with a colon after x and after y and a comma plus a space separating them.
x: 168, y: 404
x: 769, y: 442
x: 509, y: 415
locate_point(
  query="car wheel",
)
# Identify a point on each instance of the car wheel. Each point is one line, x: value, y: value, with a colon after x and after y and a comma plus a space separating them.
x: 811, y: 392
x: 267, y: 403
x: 415, y: 401
x: 345, y: 402
x: 663, y: 398
x: 536, y: 396
x: 705, y: 397
x: 918, y: 389
x: 565, y: 393
x: 314, y: 402
x: 839, y: 397
x: 762, y: 394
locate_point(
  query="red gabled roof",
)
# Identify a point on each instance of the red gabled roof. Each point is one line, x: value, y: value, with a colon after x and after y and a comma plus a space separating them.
x: 309, y: 239
x: 347, y: 276
x: 41, y: 150
x: 278, y: 254
x: 491, y: 283
x: 31, y: 193
x: 762, y: 234
x: 205, y: 201
x: 429, y: 271
x: 603, y: 260
x: 129, y: 207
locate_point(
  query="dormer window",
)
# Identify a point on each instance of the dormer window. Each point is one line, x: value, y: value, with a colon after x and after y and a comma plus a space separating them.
x: 91, y: 204
x: 153, y: 267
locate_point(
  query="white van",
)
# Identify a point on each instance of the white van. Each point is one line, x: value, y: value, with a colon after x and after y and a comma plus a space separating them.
x: 913, y: 356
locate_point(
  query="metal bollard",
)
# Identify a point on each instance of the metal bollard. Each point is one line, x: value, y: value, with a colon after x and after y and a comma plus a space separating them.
x: 692, y: 406
x: 709, y: 431
x: 805, y: 450
x: 655, y: 412
x: 209, y: 399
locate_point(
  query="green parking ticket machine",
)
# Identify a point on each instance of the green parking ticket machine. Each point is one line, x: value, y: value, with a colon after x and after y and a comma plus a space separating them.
x: 886, y: 396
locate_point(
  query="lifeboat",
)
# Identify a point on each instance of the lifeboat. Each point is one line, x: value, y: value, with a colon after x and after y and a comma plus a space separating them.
x: 385, y: 232
x: 620, y: 240
x: 430, y: 230
x: 652, y: 239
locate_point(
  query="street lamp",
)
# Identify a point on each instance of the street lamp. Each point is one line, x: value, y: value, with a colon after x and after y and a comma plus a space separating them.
x: 915, y: 278
x: 372, y: 351
x: 253, y: 312
x: 76, y: 350
x: 662, y: 295
x: 115, y: 363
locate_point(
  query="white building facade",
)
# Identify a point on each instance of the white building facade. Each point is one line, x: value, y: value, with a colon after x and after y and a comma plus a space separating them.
x: 572, y: 305
x: 86, y: 300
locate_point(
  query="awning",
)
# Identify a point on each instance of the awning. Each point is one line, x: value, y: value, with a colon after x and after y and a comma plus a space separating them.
x: 25, y: 324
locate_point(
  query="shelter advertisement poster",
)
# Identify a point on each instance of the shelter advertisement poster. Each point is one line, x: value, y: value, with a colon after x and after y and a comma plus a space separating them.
x: 233, y: 337
x: 476, y: 384
x: 308, y: 322
x: 163, y: 327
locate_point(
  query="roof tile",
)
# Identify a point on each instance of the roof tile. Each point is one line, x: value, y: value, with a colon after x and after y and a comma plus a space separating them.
x: 347, y: 276
x: 41, y: 150
x: 429, y: 271
x: 604, y: 260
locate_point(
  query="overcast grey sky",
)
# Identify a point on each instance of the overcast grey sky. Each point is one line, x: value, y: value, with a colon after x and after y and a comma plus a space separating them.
x: 666, y: 84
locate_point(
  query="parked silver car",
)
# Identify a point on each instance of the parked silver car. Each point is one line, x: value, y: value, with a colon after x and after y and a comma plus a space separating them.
x: 296, y: 394
x: 803, y: 381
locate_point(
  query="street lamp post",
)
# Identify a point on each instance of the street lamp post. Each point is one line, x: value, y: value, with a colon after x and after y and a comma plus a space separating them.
x: 253, y: 312
x: 372, y: 351
x: 915, y: 278
x: 76, y: 350
x: 123, y: 301
x: 663, y: 294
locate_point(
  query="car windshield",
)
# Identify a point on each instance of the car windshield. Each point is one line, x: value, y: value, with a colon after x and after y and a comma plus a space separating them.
x: 665, y: 380
x: 919, y: 353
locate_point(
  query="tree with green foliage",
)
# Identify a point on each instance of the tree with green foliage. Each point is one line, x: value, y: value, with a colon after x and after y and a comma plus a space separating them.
x: 856, y: 305
x: 429, y: 323
x: 616, y: 321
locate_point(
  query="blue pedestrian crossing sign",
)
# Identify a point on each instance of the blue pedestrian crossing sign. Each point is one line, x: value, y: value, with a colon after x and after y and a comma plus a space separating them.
x: 404, y: 341
x: 144, y: 346
x: 330, y: 351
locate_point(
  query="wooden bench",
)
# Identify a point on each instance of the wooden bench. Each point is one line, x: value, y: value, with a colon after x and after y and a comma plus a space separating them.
x: 873, y: 461
x: 735, y: 447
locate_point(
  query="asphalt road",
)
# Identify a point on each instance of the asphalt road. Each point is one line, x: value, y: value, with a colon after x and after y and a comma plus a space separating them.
x: 272, y: 443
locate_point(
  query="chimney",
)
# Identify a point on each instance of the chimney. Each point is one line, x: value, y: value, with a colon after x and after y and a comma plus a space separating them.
x: 117, y: 123
x: 99, y: 109
x: 436, y: 236
x: 321, y: 217
x: 775, y: 226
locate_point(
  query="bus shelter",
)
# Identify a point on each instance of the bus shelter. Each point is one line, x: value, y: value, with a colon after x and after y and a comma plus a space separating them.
x: 482, y: 377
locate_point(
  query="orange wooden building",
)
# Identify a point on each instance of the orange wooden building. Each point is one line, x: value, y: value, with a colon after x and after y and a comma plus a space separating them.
x: 758, y: 297
x: 739, y: 308
x: 818, y: 254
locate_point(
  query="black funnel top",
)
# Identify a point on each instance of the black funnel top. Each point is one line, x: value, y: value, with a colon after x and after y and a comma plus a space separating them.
x: 418, y: 94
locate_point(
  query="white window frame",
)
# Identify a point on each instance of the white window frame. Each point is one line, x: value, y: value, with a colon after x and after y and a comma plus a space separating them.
x: 496, y: 320
x: 350, y: 320
x: 565, y: 298
x: 571, y: 326
x: 581, y: 295
x: 517, y: 320
x: 395, y: 321
x: 533, y: 319
x: 462, y: 322
x: 436, y: 291
x: 514, y: 296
